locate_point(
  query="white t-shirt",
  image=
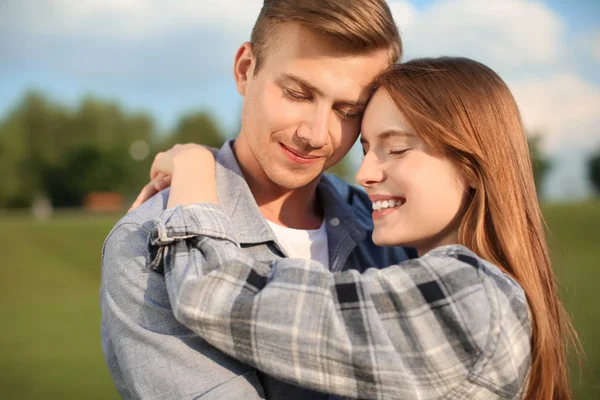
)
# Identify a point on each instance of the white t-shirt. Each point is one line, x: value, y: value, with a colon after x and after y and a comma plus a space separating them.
x: 301, y: 243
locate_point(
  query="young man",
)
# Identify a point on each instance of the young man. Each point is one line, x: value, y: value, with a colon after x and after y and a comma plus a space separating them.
x: 304, y: 78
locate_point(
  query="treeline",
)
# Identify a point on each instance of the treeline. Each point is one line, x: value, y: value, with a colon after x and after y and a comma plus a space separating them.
x: 62, y: 153
x: 49, y: 150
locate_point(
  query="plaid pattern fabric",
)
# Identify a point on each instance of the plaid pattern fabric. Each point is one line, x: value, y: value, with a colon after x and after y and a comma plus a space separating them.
x: 447, y: 325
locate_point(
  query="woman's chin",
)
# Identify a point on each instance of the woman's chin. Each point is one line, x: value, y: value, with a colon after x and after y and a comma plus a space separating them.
x: 381, y: 239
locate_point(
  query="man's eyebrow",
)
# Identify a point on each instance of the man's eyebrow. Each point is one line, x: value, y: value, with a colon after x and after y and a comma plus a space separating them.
x: 307, y: 86
x: 388, y: 134
x: 303, y: 83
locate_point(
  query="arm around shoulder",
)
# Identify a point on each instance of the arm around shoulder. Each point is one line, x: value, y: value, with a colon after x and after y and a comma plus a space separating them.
x: 406, y: 331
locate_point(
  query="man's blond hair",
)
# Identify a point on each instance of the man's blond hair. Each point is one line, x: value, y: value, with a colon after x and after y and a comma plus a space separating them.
x: 358, y: 26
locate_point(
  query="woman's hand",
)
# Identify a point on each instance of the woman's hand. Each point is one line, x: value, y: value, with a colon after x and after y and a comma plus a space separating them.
x: 191, y: 165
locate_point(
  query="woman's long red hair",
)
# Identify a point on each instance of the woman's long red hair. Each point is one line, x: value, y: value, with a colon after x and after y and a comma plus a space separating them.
x: 463, y: 109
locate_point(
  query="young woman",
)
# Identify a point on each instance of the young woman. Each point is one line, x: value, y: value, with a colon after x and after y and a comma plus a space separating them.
x: 476, y: 316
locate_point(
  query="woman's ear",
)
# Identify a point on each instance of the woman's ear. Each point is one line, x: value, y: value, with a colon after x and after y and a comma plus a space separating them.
x: 243, y: 67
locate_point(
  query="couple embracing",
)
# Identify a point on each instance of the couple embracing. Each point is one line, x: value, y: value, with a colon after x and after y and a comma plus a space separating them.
x: 254, y: 275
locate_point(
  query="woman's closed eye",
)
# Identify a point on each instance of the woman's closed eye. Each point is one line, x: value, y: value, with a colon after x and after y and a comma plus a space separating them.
x: 398, y: 152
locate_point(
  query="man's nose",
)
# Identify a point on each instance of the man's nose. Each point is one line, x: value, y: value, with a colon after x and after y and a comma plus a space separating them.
x: 370, y: 172
x: 316, y: 131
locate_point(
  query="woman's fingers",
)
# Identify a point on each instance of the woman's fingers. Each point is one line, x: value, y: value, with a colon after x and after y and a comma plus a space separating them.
x: 156, y: 165
x: 192, y: 156
x: 147, y: 192
x: 160, y: 182
x: 164, y: 161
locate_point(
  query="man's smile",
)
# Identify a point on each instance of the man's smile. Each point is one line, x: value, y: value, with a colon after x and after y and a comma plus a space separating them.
x: 298, y: 157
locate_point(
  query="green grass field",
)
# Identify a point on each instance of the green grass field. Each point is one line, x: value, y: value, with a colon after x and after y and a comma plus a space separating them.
x: 49, y: 306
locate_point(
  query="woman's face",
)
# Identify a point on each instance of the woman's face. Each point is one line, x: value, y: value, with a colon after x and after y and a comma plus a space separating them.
x: 417, y: 195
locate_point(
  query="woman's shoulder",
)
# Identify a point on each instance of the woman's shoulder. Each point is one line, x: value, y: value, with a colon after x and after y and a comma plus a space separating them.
x: 489, y: 272
x: 505, y: 295
x: 505, y: 361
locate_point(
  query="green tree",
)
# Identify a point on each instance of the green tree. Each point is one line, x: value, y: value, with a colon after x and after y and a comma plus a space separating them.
x: 86, y: 169
x: 107, y: 127
x: 45, y: 146
x: 196, y: 127
x: 104, y: 124
x: 541, y: 163
x: 594, y: 171
x: 31, y: 137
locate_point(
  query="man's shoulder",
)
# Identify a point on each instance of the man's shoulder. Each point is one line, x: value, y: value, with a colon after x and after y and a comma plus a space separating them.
x: 143, y: 215
x: 135, y: 224
x: 126, y: 256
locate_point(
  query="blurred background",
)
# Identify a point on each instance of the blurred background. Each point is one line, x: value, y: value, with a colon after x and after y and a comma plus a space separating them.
x: 91, y: 90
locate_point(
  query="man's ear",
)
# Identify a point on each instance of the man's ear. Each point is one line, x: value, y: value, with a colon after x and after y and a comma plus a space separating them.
x: 243, y: 67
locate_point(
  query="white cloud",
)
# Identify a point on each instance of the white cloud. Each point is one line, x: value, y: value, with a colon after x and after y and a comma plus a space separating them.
x: 564, y: 108
x: 523, y: 41
x: 405, y: 14
x: 130, y: 19
x: 139, y: 44
x: 585, y: 50
x: 182, y: 45
x: 503, y: 34
x: 506, y: 33
x: 594, y: 46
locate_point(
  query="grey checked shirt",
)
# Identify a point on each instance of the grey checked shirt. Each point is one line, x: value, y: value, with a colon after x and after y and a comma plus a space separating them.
x: 448, y: 325
x: 150, y: 354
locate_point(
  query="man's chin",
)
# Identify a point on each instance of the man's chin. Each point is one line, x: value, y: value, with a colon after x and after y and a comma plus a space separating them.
x: 291, y: 180
x: 294, y: 184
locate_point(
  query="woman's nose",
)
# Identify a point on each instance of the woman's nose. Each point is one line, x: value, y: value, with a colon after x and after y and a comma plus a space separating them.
x: 370, y: 171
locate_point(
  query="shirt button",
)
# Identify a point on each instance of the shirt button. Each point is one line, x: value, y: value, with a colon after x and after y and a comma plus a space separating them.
x: 334, y: 222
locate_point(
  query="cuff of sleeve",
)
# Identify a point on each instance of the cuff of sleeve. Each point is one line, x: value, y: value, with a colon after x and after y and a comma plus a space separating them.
x: 186, y: 222
x: 190, y: 221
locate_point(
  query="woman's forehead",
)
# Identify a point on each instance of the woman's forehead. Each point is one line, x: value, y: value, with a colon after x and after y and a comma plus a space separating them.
x: 381, y: 116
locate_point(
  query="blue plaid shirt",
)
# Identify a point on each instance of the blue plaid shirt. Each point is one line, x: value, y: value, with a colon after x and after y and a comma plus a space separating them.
x: 448, y: 325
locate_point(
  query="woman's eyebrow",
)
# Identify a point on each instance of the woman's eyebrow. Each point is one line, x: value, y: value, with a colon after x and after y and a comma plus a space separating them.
x: 387, y: 134
x: 393, y: 133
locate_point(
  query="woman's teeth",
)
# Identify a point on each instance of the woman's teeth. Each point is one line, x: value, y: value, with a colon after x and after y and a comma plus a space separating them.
x: 382, y: 205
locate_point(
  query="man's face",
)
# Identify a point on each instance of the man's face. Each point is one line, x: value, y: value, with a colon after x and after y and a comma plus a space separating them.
x: 302, y: 110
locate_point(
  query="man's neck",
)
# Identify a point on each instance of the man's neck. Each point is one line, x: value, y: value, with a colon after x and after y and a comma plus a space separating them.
x: 293, y: 208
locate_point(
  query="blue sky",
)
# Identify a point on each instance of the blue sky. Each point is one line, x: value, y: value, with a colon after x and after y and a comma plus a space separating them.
x: 171, y: 57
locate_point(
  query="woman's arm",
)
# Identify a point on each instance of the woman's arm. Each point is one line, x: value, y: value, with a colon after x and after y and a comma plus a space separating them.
x: 195, y: 176
x: 414, y: 330
x: 407, y: 331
